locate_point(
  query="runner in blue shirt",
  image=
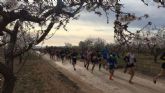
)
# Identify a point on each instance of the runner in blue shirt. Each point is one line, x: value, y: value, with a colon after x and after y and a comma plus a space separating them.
x: 105, y: 55
x: 111, y: 64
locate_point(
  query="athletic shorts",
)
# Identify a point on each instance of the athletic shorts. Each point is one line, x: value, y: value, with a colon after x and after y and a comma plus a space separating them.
x: 94, y: 61
x: 111, y: 67
x: 130, y: 65
x: 74, y: 61
x: 163, y: 66
x: 82, y: 57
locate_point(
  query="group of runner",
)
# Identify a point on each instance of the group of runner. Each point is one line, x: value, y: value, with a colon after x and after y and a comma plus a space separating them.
x: 57, y: 54
x: 105, y: 59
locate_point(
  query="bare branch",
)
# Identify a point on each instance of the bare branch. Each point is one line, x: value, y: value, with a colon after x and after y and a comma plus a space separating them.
x: 37, y: 41
x: 2, y: 44
x: 8, y: 31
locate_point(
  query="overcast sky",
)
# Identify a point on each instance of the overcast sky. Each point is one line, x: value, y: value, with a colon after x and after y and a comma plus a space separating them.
x: 91, y: 25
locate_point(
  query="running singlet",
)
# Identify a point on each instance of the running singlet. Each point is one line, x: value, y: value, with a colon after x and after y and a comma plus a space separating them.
x: 132, y: 59
x: 89, y: 55
x: 74, y: 57
x: 105, y: 54
x: 111, y: 60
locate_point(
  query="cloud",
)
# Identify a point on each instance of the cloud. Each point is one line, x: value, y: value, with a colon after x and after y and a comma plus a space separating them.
x: 79, y: 33
x: 91, y: 25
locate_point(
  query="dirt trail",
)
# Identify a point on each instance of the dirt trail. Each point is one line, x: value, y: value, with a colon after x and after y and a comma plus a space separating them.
x: 98, y: 80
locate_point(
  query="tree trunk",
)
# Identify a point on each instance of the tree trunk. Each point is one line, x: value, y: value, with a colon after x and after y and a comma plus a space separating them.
x: 9, y: 52
x: 9, y: 79
x: 9, y: 61
x: 7, y: 68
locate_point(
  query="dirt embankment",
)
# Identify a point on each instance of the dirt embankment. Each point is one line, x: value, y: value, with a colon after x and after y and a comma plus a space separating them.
x: 37, y: 76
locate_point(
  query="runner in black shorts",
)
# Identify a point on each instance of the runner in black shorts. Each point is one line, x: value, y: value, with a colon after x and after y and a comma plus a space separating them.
x: 94, y: 59
x: 74, y: 58
x: 88, y: 58
x: 126, y: 59
x: 162, y: 72
x: 131, y: 66
x: 62, y: 55
x: 100, y: 59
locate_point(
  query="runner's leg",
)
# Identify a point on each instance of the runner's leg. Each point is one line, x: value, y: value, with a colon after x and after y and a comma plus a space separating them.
x: 100, y: 66
x: 93, y: 66
x: 162, y: 72
x: 87, y: 66
x: 131, y: 72
x: 125, y: 69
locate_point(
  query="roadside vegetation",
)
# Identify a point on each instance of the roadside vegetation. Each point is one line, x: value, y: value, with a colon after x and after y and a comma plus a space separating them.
x: 37, y: 76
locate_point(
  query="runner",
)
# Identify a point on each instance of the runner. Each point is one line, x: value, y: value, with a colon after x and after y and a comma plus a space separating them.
x: 100, y: 60
x: 162, y: 72
x: 62, y: 55
x: 52, y: 53
x: 88, y: 59
x: 70, y: 57
x: 85, y: 58
x: 126, y: 59
x: 130, y: 66
x: 74, y: 58
x: 112, y: 61
x: 94, y: 60
x: 58, y: 55
x: 105, y: 55
x: 131, y: 60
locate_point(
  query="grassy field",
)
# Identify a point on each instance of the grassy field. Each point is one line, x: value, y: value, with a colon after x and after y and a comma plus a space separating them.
x: 145, y: 64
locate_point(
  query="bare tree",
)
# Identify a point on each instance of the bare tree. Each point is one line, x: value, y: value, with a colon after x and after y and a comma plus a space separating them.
x: 151, y: 39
